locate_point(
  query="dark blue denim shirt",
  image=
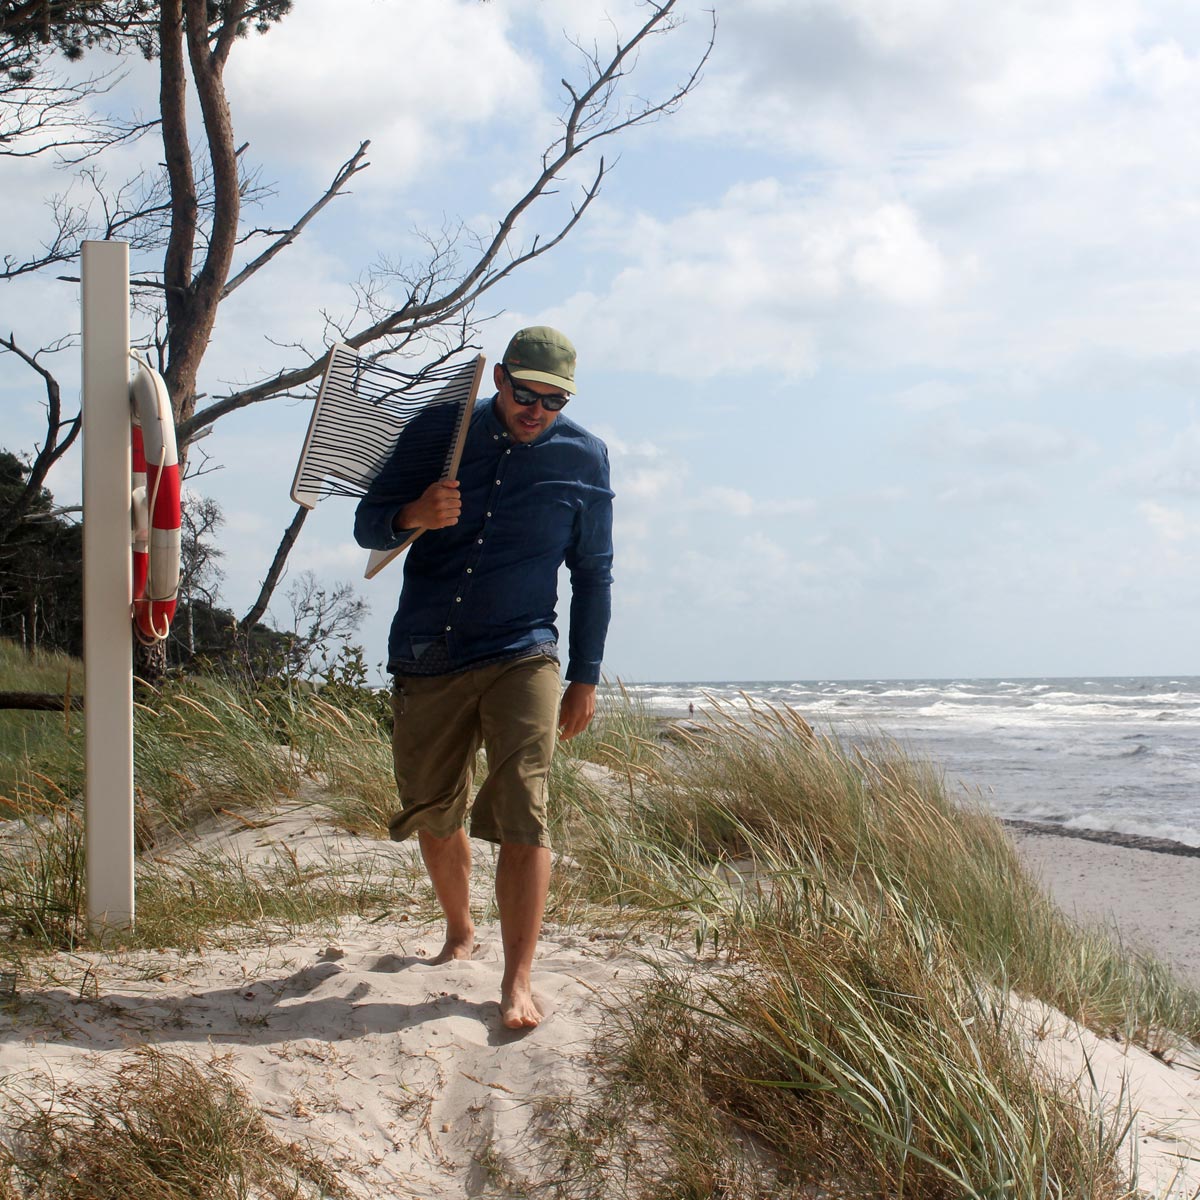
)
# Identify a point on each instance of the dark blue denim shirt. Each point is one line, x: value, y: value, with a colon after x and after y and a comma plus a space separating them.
x: 488, y: 585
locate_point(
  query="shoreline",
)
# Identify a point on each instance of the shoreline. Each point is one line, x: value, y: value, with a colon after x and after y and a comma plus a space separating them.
x: 1103, y: 837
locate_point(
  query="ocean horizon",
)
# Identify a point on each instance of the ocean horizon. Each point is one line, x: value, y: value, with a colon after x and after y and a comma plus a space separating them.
x: 1105, y: 754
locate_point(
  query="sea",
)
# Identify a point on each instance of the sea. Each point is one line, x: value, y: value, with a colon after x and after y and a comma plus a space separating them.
x: 1117, y: 756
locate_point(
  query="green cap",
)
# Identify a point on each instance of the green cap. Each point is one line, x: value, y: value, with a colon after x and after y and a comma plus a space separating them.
x: 543, y: 355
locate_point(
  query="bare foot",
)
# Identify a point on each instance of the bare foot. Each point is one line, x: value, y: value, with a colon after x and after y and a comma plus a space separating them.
x: 517, y: 1007
x: 455, y: 947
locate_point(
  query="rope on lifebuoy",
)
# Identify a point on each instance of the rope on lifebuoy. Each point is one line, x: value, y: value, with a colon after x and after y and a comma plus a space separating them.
x: 155, y: 505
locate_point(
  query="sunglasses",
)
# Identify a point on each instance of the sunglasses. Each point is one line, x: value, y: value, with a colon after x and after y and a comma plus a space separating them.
x: 527, y: 399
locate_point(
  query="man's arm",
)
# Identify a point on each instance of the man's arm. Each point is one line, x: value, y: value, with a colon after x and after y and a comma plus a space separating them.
x: 406, y: 495
x: 577, y: 709
x: 589, y: 559
x: 437, y: 507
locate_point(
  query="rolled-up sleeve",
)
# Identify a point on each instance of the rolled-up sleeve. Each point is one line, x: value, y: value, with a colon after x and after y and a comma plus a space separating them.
x: 373, y: 525
x: 589, y: 560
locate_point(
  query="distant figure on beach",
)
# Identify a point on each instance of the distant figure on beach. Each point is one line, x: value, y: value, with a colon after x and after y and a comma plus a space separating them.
x: 473, y: 647
x: 691, y: 709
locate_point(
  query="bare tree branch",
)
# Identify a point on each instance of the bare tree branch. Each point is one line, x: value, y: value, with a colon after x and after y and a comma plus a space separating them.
x: 274, y: 573
x: 345, y: 173
x: 49, y: 115
x: 586, y: 121
x: 320, y: 615
x: 193, y: 210
x: 70, y: 226
x: 60, y: 435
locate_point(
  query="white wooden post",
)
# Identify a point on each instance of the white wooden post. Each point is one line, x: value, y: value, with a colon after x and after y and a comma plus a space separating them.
x: 107, y: 586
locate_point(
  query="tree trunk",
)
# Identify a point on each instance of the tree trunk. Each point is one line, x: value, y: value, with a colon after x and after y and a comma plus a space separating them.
x: 192, y: 299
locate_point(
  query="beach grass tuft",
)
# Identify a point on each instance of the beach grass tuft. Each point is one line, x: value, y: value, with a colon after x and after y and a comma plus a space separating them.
x: 853, y: 1020
x: 206, y: 750
x: 757, y: 813
x: 157, y: 1126
x: 841, y: 1067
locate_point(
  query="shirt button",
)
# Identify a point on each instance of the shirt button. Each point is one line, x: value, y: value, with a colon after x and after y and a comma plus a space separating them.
x: 508, y: 451
x: 497, y: 483
x: 487, y: 514
x: 479, y: 541
x: 447, y: 628
x: 470, y: 570
x: 457, y: 599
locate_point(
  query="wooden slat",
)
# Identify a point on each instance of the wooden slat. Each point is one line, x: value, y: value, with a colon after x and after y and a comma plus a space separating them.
x: 360, y: 412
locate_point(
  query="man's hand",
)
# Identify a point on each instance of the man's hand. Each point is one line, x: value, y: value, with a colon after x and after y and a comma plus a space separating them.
x: 577, y: 709
x: 437, y: 507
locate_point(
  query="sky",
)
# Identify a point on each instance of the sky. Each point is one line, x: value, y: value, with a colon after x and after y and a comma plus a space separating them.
x: 890, y: 329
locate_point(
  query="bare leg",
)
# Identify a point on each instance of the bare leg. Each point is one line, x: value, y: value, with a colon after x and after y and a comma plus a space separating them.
x: 448, y: 861
x: 522, y: 881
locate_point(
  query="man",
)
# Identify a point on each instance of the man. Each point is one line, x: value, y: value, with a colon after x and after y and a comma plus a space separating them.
x: 473, y: 645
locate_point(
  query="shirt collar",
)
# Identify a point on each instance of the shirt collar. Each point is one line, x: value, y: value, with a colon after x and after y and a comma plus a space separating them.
x: 492, y: 420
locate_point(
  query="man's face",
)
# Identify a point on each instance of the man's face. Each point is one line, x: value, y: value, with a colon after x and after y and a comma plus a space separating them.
x: 525, y: 423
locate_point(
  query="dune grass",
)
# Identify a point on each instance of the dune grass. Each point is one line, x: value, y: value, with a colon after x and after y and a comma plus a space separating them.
x: 854, y: 1029
x: 189, y: 898
x: 808, y: 1067
x: 203, y: 749
x: 26, y: 736
x: 156, y: 1126
x: 756, y: 809
x: 857, y: 939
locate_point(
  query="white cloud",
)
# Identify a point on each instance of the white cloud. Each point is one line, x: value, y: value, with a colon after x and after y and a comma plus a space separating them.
x: 410, y: 77
x: 845, y: 76
x: 1166, y: 70
x: 1170, y: 524
x: 243, y: 523
x: 341, y: 558
x: 1170, y: 468
x: 764, y: 280
x: 928, y: 396
x: 644, y: 475
x: 740, y: 582
x: 736, y: 502
x: 993, y: 490
x: 1007, y: 443
x: 894, y: 259
x: 1047, y: 151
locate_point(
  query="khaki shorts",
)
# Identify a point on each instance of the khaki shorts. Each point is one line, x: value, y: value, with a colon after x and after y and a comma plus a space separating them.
x: 510, y: 708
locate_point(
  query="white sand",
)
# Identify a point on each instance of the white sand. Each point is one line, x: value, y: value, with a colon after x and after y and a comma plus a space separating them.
x: 1152, y: 899
x: 402, y: 1072
x: 1161, y: 1099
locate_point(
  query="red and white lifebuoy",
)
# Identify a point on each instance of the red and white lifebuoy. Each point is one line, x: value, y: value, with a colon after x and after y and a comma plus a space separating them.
x: 156, y: 517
